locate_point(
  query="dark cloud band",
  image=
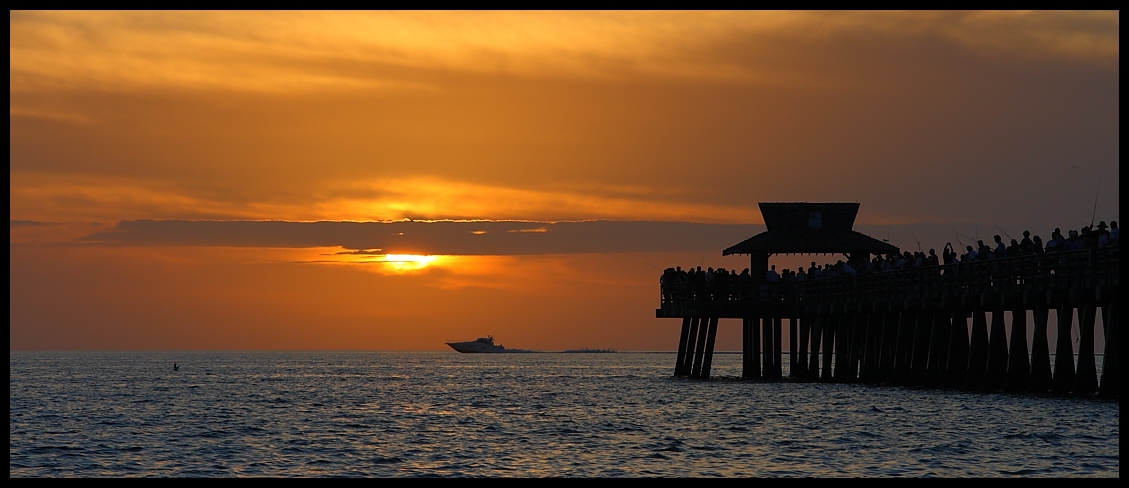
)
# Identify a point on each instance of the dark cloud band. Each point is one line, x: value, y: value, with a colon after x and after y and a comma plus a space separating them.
x: 444, y: 237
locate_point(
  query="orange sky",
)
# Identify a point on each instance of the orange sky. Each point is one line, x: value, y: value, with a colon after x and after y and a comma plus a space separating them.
x: 939, y: 124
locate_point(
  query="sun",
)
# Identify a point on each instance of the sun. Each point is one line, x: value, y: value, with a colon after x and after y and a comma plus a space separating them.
x: 406, y: 262
x: 379, y: 261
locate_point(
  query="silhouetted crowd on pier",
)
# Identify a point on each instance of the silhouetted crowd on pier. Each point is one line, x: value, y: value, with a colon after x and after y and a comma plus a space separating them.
x: 722, y: 284
x: 710, y: 284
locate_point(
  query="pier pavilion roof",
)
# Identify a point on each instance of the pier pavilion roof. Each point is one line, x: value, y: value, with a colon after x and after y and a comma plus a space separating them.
x: 810, y: 228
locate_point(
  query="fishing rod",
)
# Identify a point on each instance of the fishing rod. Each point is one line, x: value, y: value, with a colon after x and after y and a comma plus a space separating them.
x: 958, y: 239
x: 1083, y: 222
x: 1001, y: 229
x: 1095, y: 213
x: 914, y: 236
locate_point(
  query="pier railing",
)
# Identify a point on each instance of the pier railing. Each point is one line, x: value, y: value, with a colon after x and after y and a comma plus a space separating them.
x: 1060, y: 272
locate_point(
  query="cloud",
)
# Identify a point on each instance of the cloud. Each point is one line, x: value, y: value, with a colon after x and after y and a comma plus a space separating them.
x: 434, y: 238
x: 82, y: 197
x: 377, y: 243
x: 562, y: 116
x: 288, y: 51
x: 25, y: 223
x: 37, y: 233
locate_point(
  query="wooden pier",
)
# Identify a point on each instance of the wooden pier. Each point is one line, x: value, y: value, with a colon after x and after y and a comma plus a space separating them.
x: 912, y: 326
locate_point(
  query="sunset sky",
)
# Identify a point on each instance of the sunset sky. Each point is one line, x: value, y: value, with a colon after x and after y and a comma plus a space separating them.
x: 397, y: 180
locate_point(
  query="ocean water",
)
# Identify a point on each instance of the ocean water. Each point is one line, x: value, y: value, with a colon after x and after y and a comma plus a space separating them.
x: 424, y: 414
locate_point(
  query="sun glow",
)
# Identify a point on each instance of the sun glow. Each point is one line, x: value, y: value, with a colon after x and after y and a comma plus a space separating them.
x: 376, y: 260
x: 406, y: 262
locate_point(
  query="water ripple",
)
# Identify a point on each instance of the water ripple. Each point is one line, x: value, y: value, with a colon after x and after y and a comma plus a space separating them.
x: 538, y: 415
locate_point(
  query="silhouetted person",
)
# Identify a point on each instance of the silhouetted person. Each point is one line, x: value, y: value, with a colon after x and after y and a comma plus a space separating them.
x: 1014, y: 249
x: 983, y: 252
x: 1073, y: 243
x: 1103, y: 235
x: 1027, y: 246
x: 1089, y: 238
x: 948, y: 254
x: 1056, y: 243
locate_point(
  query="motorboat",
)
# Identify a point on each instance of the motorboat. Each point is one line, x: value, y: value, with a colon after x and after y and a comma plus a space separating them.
x: 482, y: 344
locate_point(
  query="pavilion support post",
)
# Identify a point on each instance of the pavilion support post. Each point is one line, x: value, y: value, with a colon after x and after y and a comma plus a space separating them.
x: 903, y: 351
x: 778, y: 349
x: 889, y: 341
x: 842, y: 347
x: 855, y: 353
x: 691, y: 346
x: 801, y: 366
x: 872, y: 341
x: 957, y: 369
x: 996, y: 375
x: 1064, y: 375
x: 758, y: 266
x: 766, y: 343
x: 819, y: 322
x: 858, y: 346
x: 683, y: 346
x: 700, y: 348
x: 755, y: 334
x: 793, y: 345
x: 919, y: 363
x: 711, y: 336
x: 1040, y: 351
x: 1086, y: 382
x: 978, y: 348
x: 749, y: 369
x: 692, y: 349
x: 866, y: 346
x: 1019, y: 367
x: 939, y: 347
x: 829, y: 345
x: 1111, y: 367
